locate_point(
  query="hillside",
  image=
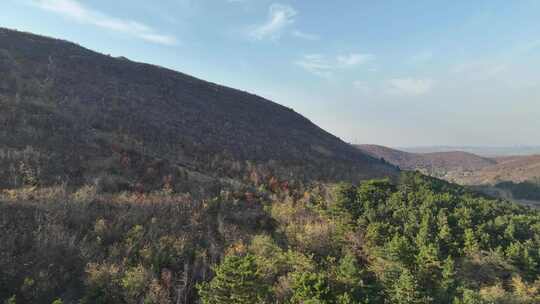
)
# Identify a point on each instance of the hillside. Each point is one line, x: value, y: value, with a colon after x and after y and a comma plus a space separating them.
x: 69, y: 114
x: 509, y: 168
x: 436, y: 162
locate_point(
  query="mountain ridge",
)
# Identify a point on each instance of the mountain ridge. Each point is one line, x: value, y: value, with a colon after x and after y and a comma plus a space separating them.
x: 74, y: 114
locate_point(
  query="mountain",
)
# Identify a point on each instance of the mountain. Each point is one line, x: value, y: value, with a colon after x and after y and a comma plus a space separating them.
x: 430, y: 162
x: 69, y: 114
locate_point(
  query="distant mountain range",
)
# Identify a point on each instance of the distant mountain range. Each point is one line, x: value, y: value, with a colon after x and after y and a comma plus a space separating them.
x: 489, y: 151
x: 71, y: 115
x: 462, y: 167
x: 448, y: 161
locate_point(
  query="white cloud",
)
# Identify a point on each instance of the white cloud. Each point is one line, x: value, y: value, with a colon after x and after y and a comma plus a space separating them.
x: 316, y: 64
x: 354, y: 59
x: 279, y: 18
x: 320, y: 65
x: 306, y: 36
x: 410, y: 86
x: 77, y: 11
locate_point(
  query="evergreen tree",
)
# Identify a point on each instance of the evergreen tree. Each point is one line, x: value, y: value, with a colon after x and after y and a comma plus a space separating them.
x: 406, y: 290
x: 470, y: 242
x: 399, y: 249
x: 346, y: 201
x: 448, y: 282
x: 236, y: 281
x: 469, y: 297
x: 311, y: 288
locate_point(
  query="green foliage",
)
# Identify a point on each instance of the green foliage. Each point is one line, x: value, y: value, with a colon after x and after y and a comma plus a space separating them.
x: 312, y: 288
x: 236, y: 281
x: 423, y: 229
x: 421, y: 241
x: 418, y: 241
x: 134, y: 283
x: 11, y: 300
x: 448, y: 283
x: 400, y: 249
x: 469, y: 297
x: 345, y: 201
x: 406, y: 290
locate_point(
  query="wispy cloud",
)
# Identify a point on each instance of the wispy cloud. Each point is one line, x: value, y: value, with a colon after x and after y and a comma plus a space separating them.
x: 354, y: 59
x: 306, y: 36
x: 321, y: 65
x: 316, y: 64
x: 279, y: 21
x: 280, y: 17
x: 410, y: 86
x: 80, y: 13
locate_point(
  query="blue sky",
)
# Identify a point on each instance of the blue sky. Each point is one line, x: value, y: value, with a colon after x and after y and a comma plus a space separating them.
x: 398, y: 73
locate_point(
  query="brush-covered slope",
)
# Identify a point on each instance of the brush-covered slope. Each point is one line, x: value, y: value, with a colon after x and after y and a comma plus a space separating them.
x: 71, y: 114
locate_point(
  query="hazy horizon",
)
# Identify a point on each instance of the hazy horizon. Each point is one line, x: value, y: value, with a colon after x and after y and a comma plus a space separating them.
x: 395, y: 74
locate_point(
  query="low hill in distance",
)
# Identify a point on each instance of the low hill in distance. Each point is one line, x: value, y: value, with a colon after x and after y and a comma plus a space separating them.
x: 508, y: 168
x: 436, y: 163
x: 509, y: 177
x: 486, y: 151
x: 69, y: 114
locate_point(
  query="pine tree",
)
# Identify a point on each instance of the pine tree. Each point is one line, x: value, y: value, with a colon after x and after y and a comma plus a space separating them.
x: 406, y: 290
x: 346, y: 201
x: 236, y: 281
x: 400, y: 249
x: 471, y: 244
x: 355, y: 283
x: 444, y: 234
x: 448, y: 282
x: 312, y: 288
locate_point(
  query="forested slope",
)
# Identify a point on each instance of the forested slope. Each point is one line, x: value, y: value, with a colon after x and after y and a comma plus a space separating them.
x: 420, y: 240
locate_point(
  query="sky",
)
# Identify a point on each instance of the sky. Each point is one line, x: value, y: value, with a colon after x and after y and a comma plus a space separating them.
x: 396, y: 73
